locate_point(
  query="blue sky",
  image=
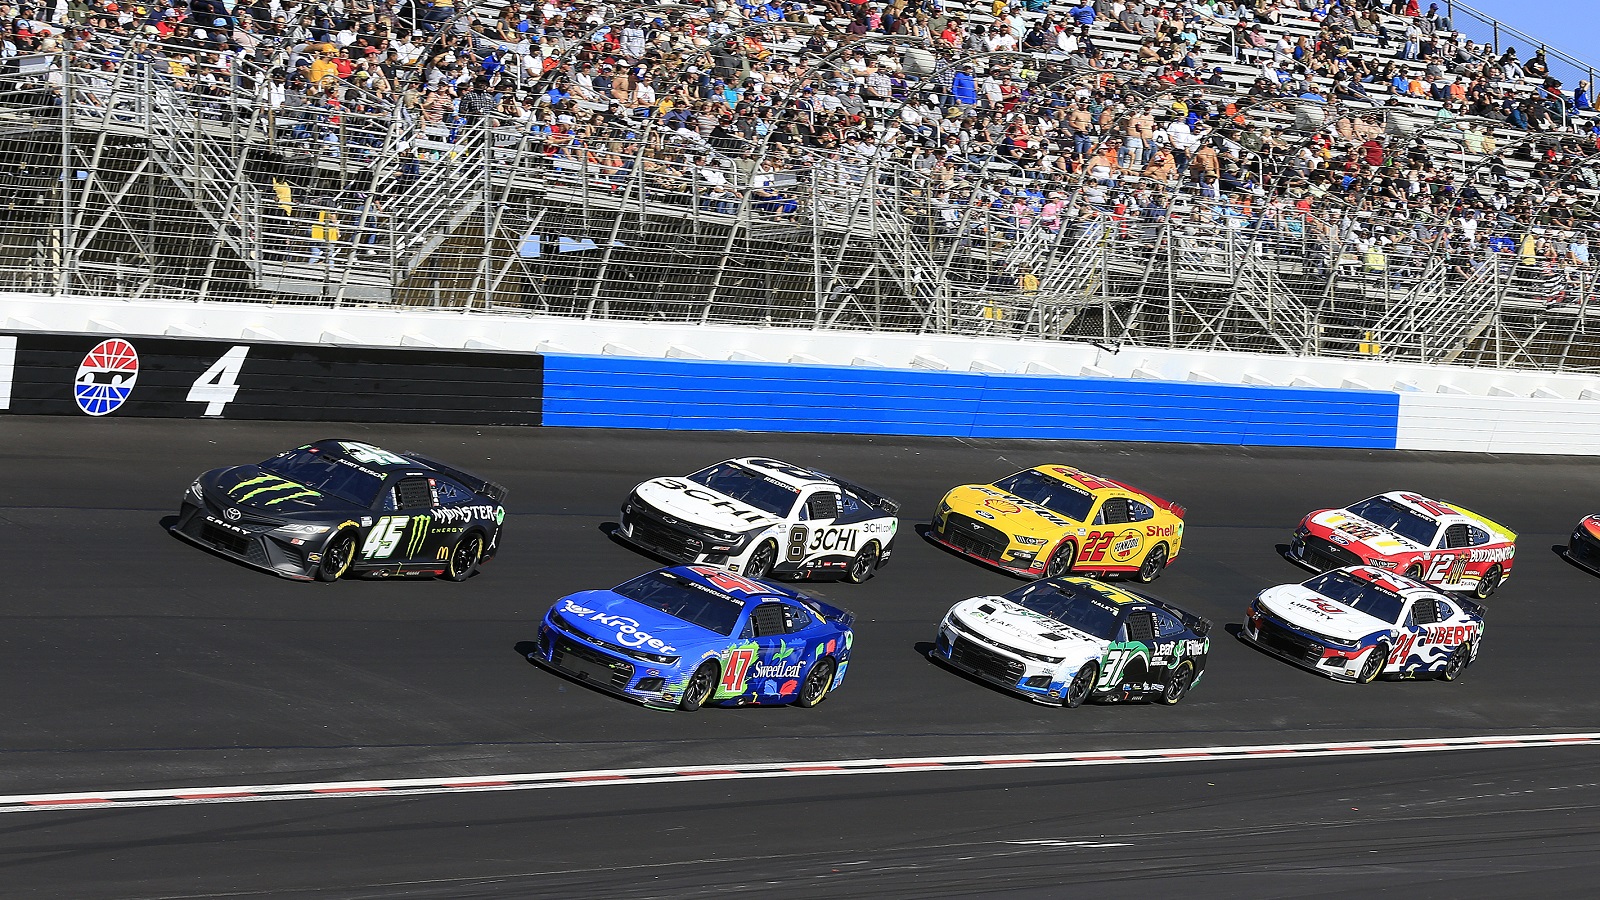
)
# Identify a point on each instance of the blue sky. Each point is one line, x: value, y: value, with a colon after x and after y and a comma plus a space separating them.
x: 1571, y: 26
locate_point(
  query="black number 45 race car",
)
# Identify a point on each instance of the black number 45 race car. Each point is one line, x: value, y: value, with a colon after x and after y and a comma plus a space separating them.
x: 337, y: 508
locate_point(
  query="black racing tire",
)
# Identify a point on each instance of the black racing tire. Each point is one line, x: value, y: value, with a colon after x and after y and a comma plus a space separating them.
x: 762, y: 560
x: 864, y: 565
x: 1488, y: 584
x: 464, y: 557
x: 338, y: 555
x: 1457, y: 663
x: 1060, y: 562
x: 1178, y: 684
x: 1154, y: 562
x: 819, y: 681
x: 701, y: 684
x: 1414, y: 572
x: 1081, y: 686
x: 1373, y: 667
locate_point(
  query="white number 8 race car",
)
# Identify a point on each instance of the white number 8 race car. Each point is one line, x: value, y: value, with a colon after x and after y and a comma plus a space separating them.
x: 761, y: 517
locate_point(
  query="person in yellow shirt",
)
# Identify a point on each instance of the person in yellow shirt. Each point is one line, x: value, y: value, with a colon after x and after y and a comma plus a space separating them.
x: 323, y: 66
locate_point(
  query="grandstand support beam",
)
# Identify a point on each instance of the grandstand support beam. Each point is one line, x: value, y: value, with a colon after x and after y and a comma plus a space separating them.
x: 64, y: 242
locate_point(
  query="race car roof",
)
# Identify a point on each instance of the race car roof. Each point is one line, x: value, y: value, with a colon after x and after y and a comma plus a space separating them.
x: 1099, y: 484
x: 787, y: 473
x: 366, y: 454
x: 1408, y: 588
x: 1445, y: 513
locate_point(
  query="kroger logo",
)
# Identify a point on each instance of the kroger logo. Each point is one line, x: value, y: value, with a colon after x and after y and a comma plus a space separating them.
x: 627, y: 630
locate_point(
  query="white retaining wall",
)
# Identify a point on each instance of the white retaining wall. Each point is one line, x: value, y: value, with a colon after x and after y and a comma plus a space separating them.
x: 1442, y: 408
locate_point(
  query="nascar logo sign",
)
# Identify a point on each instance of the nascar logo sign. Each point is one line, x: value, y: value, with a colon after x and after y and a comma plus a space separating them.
x: 106, y: 377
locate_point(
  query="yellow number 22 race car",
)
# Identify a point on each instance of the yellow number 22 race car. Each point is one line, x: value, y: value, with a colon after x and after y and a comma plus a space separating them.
x: 1054, y: 520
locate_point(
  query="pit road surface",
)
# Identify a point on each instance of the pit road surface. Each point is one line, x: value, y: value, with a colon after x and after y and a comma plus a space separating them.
x: 132, y: 660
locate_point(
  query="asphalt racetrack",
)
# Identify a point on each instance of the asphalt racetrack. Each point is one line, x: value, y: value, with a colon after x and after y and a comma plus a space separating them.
x: 131, y: 660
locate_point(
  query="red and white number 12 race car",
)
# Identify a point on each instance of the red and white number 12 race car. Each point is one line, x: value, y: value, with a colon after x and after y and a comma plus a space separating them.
x: 1437, y: 543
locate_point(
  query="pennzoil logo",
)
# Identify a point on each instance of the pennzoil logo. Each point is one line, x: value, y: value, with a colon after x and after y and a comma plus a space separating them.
x: 269, y: 490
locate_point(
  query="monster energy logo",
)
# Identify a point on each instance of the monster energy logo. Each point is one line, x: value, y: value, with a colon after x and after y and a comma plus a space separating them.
x: 421, y: 526
x: 265, y: 485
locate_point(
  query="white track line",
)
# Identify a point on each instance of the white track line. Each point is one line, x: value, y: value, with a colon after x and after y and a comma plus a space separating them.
x: 410, y: 787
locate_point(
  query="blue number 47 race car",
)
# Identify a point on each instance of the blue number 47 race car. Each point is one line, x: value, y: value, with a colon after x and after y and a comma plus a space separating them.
x: 691, y: 636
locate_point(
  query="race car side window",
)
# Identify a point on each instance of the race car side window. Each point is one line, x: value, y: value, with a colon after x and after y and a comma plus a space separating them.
x: 1477, y: 537
x: 1167, y: 625
x: 822, y: 505
x: 768, y: 620
x: 1456, y: 536
x: 1425, y: 612
x: 413, y: 492
x: 1138, y: 512
x: 1113, y: 512
x: 1447, y: 611
x: 1141, y: 625
x: 795, y: 620
x: 450, y: 493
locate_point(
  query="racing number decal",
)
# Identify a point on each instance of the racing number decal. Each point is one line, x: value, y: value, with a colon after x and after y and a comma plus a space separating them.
x: 1095, y: 546
x: 738, y: 664
x: 1447, y: 569
x: 731, y: 583
x: 384, y: 537
x: 797, y: 543
x: 1116, y: 662
x: 217, y: 386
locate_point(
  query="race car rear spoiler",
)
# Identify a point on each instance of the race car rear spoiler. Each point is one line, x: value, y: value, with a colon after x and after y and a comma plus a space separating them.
x: 1176, y: 509
x: 495, y: 492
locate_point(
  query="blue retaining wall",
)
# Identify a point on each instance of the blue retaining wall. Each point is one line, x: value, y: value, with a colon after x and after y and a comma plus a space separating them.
x: 700, y: 395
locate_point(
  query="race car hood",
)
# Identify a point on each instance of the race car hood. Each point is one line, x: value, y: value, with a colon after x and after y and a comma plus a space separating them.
x: 254, y: 488
x: 1302, y: 607
x: 699, y: 504
x: 1362, y: 537
x: 614, y: 619
x: 1007, y: 512
x: 1014, y: 626
x: 1591, y: 526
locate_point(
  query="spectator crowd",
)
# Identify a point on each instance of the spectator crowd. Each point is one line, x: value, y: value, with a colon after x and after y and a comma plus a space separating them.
x: 1376, y: 133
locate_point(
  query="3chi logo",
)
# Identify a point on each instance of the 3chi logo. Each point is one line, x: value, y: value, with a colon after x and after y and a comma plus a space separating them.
x: 106, y: 377
x: 231, y: 514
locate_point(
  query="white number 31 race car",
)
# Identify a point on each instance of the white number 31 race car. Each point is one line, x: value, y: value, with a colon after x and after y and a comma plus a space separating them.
x: 761, y: 517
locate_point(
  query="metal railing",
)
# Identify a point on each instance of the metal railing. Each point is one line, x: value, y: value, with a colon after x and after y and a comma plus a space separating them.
x: 126, y: 182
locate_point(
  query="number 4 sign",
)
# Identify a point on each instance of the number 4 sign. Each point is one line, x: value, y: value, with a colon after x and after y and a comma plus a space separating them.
x: 217, y: 386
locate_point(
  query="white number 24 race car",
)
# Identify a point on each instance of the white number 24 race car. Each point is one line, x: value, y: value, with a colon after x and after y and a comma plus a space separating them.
x: 761, y: 517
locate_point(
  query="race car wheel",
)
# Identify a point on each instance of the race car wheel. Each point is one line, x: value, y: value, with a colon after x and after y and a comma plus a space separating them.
x: 818, y: 682
x: 1082, y: 685
x: 337, y: 557
x: 1154, y: 562
x: 1457, y: 663
x: 1374, y: 664
x: 762, y: 560
x: 863, y: 565
x: 464, y: 557
x: 1061, y: 561
x: 699, y: 688
x: 1178, y: 684
x: 1488, y: 583
x: 1414, y: 573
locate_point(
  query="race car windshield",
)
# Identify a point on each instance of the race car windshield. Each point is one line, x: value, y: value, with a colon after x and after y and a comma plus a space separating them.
x: 1361, y: 596
x: 1049, y: 493
x: 684, y: 599
x: 1073, y: 605
x: 1385, y: 513
x: 748, y: 487
x: 327, y: 475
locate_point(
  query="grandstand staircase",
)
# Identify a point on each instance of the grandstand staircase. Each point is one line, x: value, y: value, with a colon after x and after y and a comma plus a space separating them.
x: 1438, y: 318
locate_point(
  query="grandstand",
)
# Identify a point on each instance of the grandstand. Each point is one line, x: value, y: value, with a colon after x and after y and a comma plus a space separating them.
x: 1336, y: 179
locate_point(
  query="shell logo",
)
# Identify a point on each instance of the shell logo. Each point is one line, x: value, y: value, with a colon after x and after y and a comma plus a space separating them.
x: 1002, y: 506
x: 106, y: 377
